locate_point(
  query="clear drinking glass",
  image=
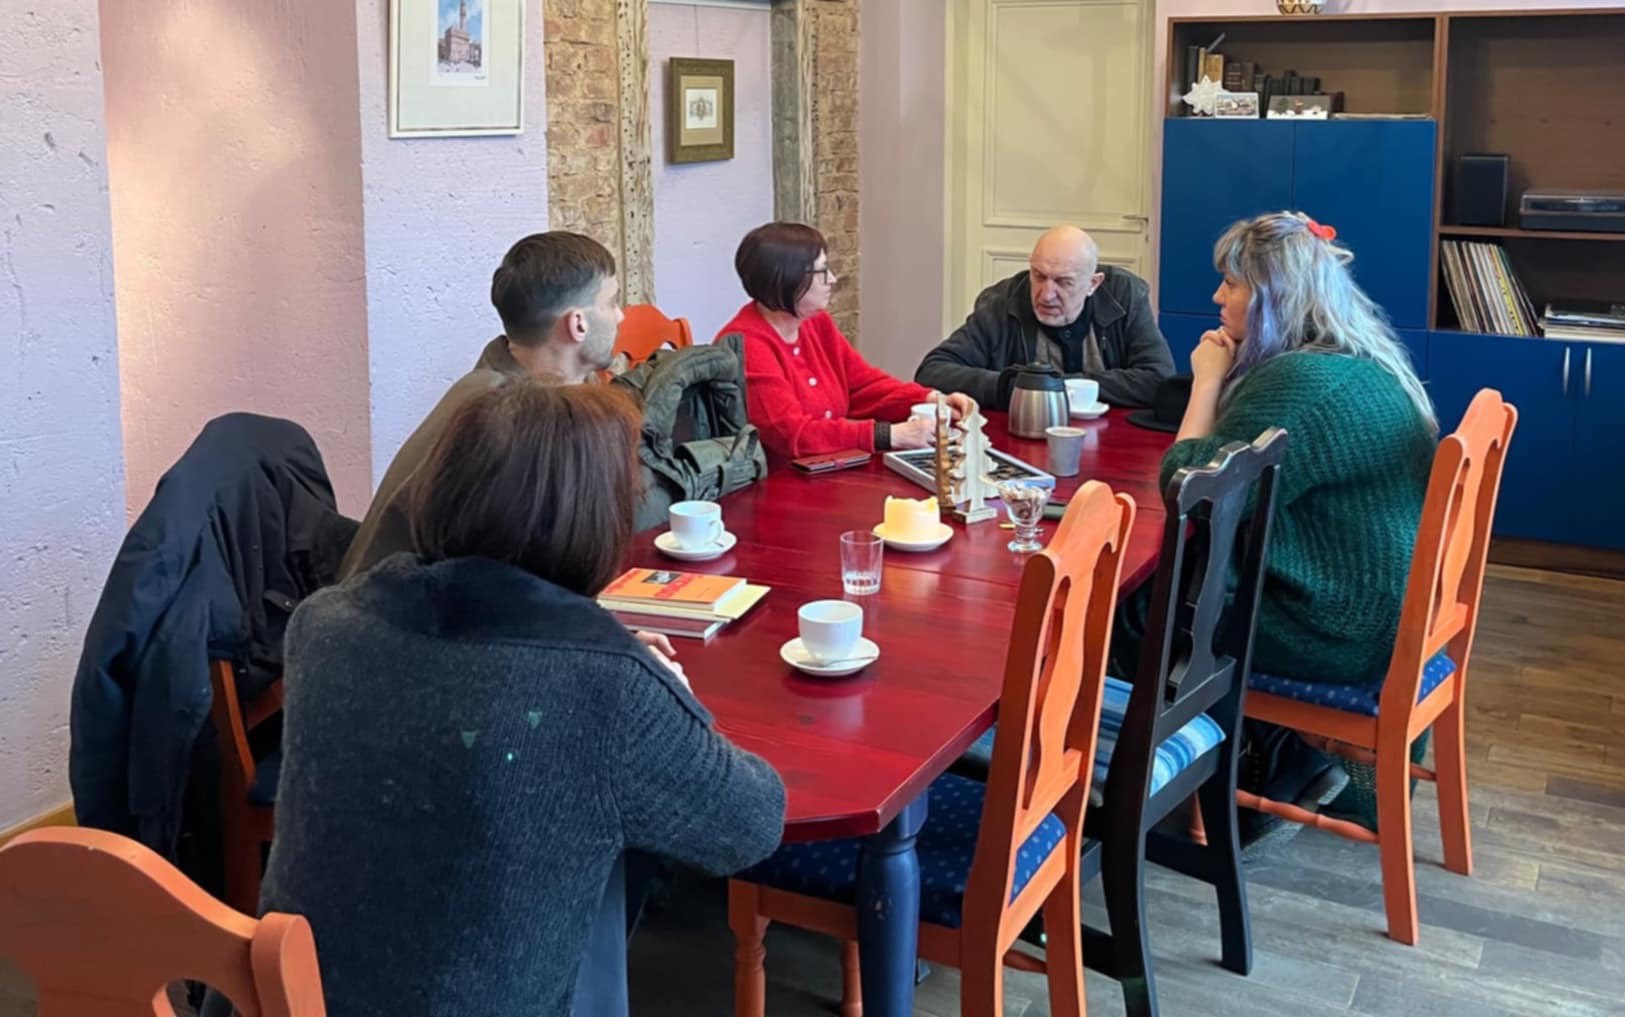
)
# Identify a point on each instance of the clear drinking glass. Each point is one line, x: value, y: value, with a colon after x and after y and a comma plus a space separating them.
x: 861, y: 556
x: 1024, y: 501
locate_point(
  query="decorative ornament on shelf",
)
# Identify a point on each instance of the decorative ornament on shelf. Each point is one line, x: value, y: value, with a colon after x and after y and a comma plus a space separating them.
x: 1203, y: 97
x: 1300, y: 6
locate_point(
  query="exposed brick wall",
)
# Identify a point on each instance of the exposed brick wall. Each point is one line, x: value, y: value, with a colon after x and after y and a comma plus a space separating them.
x: 584, y: 115
x: 583, y: 120
x: 835, y: 146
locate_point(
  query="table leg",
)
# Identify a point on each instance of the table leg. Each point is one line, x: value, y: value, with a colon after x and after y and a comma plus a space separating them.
x: 889, y: 914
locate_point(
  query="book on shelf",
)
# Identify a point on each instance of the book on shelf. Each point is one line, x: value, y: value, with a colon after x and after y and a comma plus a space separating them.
x: 1485, y: 289
x: 1586, y: 322
x: 1590, y: 314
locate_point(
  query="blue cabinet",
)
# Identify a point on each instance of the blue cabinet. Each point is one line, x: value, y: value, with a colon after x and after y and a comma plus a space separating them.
x: 1597, y: 493
x: 1213, y: 173
x: 1535, y: 485
x: 1562, y: 482
x: 1373, y: 180
x: 1183, y: 332
x: 1416, y: 344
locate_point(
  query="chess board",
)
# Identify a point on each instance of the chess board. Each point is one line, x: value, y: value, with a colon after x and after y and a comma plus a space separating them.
x: 919, y: 465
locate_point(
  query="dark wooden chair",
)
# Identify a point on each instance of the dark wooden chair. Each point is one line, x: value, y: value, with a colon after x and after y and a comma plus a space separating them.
x: 247, y: 785
x: 1180, y: 722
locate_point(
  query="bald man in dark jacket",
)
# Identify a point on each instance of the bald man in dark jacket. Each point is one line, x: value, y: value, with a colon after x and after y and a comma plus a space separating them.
x: 1067, y: 311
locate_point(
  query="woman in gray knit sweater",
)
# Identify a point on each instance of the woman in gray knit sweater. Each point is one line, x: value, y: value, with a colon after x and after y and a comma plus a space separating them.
x: 472, y: 744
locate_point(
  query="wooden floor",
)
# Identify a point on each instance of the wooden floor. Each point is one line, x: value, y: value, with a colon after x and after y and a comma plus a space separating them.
x: 1538, y: 929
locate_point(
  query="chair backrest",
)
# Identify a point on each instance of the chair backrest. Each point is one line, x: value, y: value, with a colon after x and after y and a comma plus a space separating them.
x: 102, y: 926
x: 645, y: 330
x: 1452, y: 545
x: 1198, y: 641
x: 1049, y: 707
x: 231, y: 727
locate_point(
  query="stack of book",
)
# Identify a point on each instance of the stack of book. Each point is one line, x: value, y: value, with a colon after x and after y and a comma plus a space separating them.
x: 1488, y: 295
x: 1585, y: 322
x: 689, y: 604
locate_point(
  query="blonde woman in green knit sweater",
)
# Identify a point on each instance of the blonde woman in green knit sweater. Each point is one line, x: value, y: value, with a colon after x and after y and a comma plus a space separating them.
x: 1300, y: 346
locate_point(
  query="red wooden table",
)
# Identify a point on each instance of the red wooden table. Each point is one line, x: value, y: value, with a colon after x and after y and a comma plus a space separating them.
x: 857, y: 754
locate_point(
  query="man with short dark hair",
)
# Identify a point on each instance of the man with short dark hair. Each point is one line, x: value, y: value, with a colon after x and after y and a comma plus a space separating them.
x: 1067, y: 311
x: 558, y: 299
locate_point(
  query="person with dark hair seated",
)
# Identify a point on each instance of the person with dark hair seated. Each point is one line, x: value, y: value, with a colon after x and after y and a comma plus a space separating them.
x: 808, y: 390
x: 559, y: 302
x: 472, y: 743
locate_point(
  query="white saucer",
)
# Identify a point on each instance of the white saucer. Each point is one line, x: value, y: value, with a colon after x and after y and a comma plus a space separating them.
x: 667, y: 544
x: 1089, y: 412
x: 796, y: 655
x: 944, y: 533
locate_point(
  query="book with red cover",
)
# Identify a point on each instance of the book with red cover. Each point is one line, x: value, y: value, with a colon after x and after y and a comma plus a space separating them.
x: 668, y: 586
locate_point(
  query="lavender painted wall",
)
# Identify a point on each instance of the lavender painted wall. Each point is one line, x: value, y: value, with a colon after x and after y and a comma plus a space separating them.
x: 439, y: 214
x: 902, y: 135
x: 61, y: 464
x: 703, y: 209
x: 235, y: 160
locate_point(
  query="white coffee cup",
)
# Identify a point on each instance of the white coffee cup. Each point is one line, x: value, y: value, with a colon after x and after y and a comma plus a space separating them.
x: 696, y: 524
x: 926, y: 410
x: 830, y: 629
x: 1082, y: 393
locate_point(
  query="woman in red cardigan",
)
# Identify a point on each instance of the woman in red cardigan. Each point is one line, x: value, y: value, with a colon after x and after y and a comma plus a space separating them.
x: 808, y: 390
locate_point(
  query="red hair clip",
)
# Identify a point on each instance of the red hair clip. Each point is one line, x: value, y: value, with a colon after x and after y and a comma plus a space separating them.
x: 1325, y: 233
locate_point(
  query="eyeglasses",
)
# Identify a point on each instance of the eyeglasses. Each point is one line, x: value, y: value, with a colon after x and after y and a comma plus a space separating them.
x: 827, y: 272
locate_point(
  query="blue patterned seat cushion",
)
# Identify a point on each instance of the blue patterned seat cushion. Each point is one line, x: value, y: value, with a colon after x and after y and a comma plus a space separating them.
x: 1361, y: 699
x: 1180, y: 749
x: 829, y: 869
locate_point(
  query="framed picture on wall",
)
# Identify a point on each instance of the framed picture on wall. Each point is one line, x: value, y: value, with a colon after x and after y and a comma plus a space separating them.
x: 699, y: 110
x: 456, y: 68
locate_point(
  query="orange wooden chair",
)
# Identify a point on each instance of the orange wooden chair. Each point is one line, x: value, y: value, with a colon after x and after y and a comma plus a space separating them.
x: 1427, y: 674
x: 247, y: 786
x: 645, y: 330
x: 1011, y: 847
x: 102, y: 925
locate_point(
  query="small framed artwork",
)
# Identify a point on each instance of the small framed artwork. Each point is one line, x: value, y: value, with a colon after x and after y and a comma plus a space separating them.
x: 1236, y: 106
x: 456, y: 68
x: 699, y: 110
x: 1300, y: 107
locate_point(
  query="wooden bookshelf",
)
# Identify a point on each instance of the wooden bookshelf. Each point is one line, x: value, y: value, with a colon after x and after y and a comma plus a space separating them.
x: 1537, y: 85
x: 1516, y: 233
x: 1380, y: 64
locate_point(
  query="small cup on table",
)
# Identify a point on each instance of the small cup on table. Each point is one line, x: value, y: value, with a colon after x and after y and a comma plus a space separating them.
x: 696, y: 524
x: 830, y: 629
x: 862, y: 554
x: 1065, y: 449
